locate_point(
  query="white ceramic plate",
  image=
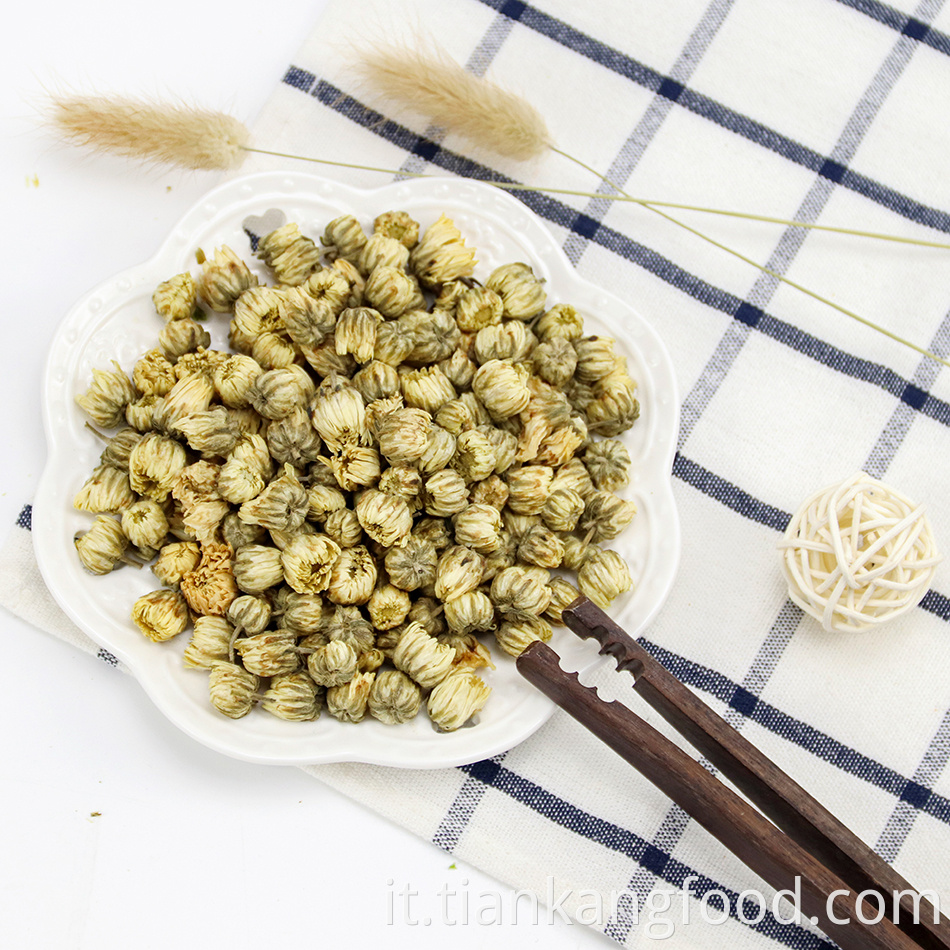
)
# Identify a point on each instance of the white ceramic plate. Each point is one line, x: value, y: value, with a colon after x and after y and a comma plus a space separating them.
x: 117, y: 321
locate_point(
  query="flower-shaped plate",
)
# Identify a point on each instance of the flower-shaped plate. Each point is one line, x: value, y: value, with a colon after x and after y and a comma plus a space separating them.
x: 116, y: 321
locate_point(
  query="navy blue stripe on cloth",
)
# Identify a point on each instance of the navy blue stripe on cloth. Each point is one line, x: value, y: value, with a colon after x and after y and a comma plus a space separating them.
x: 567, y: 36
x: 799, y: 733
x: 908, y: 25
x: 25, y: 518
x: 564, y: 216
x: 656, y: 860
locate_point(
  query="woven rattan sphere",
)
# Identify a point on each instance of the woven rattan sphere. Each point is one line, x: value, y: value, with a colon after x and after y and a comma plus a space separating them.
x: 857, y: 554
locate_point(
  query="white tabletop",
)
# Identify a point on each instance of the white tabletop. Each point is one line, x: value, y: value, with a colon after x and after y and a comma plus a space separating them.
x: 118, y: 830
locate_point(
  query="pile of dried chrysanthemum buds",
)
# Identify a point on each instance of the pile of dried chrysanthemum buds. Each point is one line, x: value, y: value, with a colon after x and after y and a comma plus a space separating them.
x: 389, y: 463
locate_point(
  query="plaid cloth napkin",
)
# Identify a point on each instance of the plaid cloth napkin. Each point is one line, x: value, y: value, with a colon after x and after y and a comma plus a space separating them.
x: 825, y: 111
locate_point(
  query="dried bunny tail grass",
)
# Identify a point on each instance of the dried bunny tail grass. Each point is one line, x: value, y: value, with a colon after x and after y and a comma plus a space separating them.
x: 425, y: 80
x: 151, y: 131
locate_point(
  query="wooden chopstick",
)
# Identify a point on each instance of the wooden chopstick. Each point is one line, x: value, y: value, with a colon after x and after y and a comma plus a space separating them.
x: 825, y: 851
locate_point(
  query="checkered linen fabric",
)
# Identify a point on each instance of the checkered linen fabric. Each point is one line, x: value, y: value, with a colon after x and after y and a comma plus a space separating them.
x: 821, y: 111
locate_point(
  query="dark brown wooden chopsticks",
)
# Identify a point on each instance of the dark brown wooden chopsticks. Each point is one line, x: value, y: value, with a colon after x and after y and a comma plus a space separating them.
x: 792, y: 837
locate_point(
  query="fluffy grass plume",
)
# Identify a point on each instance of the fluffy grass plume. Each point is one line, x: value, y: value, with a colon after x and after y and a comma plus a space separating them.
x: 425, y: 80
x: 151, y: 131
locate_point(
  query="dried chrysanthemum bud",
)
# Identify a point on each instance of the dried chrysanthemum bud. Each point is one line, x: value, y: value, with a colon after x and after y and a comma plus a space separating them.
x: 474, y: 457
x: 307, y: 561
x: 435, y: 336
x: 478, y: 307
x: 232, y: 689
x: 521, y: 590
x: 108, y: 395
x: 455, y: 416
x: 490, y: 491
x: 301, y: 613
x: 202, y: 360
x: 456, y: 699
x: 376, y: 380
x: 353, y: 576
x: 439, y: 451
x: 236, y: 533
x: 347, y: 702
x: 470, y: 612
x: 507, y: 341
x: 340, y: 418
x: 154, y: 465
x: 604, y: 576
x: 399, y: 226
x: 561, y: 322
x: 563, y: 594
x: 355, y: 467
x: 153, y: 375
x: 403, y: 481
x: 445, y: 493
x: 459, y: 570
x: 223, y: 279
x: 145, y: 524
x: 459, y: 369
x: 504, y: 445
x: 394, y: 698
x: 614, y: 406
x: 277, y: 392
x: 430, y: 613
x: 189, y: 395
x: 209, y: 643
x: 344, y: 527
x: 257, y: 567
x: 555, y: 361
x: 180, y: 337
x: 502, y: 388
x: 562, y: 509
x: 479, y: 527
x: 349, y: 624
x: 595, y: 358
x: 529, y: 488
x: 388, y: 607
x: 576, y: 551
x: 413, y: 565
x: 160, y: 614
x: 422, y: 657
x: 403, y: 434
x: 344, y: 237
x: 516, y: 634
x: 102, y: 546
x: 385, y: 518
x: 213, y: 433
x: 293, y: 696
x: 233, y: 379
x: 541, y: 547
x: 392, y: 344
x: 441, y: 255
x: 573, y: 475
x: 332, y: 664
x: 269, y: 654
x: 282, y: 505
x: 391, y: 291
x: 322, y: 501
x: 289, y: 254
x: 379, y: 251
x: 249, y: 614
x: 608, y: 463
x: 292, y: 439
x: 605, y: 515
x: 175, y: 560
x: 518, y: 525
x: 210, y: 587
x: 175, y: 298
x: 356, y: 332
x: 106, y: 490
x: 428, y: 388
x: 521, y: 292
x: 119, y: 447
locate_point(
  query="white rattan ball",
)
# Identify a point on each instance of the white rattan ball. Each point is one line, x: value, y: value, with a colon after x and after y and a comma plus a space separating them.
x: 857, y: 554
